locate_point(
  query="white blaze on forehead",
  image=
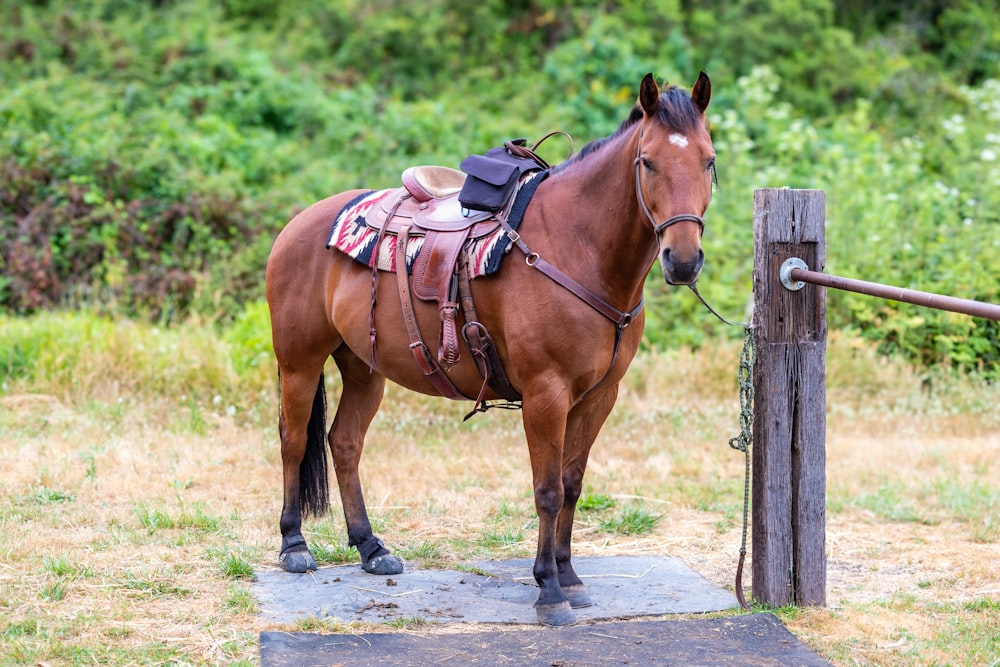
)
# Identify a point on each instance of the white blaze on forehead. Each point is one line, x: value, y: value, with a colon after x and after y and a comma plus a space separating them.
x: 678, y: 140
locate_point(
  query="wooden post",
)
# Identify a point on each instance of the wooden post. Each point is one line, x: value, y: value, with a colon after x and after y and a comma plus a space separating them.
x: 789, y: 445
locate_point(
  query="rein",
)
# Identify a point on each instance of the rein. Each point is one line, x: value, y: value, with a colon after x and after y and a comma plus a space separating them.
x: 744, y: 440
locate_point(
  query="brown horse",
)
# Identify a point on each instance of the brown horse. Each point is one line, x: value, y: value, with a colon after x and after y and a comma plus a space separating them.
x: 602, y: 217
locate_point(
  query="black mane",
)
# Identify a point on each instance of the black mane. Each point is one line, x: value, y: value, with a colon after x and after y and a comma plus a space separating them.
x: 676, y: 111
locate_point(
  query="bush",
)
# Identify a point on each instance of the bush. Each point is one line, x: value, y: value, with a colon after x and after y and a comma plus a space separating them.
x: 150, y: 152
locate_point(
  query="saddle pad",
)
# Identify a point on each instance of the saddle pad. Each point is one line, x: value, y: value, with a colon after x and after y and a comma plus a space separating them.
x: 351, y: 235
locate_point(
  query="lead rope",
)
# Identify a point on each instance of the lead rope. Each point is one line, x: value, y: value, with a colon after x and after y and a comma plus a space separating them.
x: 742, y: 441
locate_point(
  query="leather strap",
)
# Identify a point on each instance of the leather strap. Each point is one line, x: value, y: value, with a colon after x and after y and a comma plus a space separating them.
x: 518, y: 148
x: 683, y: 217
x: 372, y: 334
x: 291, y: 543
x: 368, y: 548
x: 428, y: 365
x: 481, y: 345
x: 619, y: 317
x: 434, y: 280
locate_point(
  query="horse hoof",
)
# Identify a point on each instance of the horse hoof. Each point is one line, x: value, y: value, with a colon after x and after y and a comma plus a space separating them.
x: 578, y: 596
x: 387, y: 564
x: 557, y: 614
x: 297, y: 561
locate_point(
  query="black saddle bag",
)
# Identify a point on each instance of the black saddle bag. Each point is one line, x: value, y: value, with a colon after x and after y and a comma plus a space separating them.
x: 492, y: 178
x: 489, y: 184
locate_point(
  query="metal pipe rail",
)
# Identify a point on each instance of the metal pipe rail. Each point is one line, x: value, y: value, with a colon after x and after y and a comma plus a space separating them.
x: 795, y: 274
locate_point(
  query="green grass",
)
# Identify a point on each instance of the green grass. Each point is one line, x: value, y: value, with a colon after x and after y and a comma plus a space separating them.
x: 500, y: 534
x: 425, y: 550
x: 241, y: 600
x: 594, y: 502
x: 153, y: 519
x: 943, y: 497
x: 45, y: 496
x: 59, y: 566
x: 129, y: 540
x: 144, y: 584
x: 630, y: 520
x: 408, y: 623
x: 235, y: 564
x: 335, y: 553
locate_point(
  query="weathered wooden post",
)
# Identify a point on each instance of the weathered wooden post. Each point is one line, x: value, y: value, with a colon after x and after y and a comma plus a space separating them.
x: 789, y: 444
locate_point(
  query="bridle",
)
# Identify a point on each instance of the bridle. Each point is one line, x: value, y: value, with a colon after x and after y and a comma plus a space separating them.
x: 658, y: 227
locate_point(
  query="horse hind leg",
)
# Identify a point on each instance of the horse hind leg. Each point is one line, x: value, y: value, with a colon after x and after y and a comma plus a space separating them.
x: 302, y: 429
x: 359, y: 401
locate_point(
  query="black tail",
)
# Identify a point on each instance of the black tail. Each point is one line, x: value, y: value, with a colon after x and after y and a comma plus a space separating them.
x: 314, y: 488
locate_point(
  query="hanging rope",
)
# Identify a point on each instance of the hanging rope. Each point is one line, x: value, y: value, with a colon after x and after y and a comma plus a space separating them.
x: 742, y: 441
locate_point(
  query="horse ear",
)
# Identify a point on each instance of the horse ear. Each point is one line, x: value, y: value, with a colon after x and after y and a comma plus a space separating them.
x: 649, y: 94
x: 701, y: 93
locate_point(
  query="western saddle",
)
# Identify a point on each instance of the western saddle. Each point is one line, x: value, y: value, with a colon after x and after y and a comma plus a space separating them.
x: 428, y: 205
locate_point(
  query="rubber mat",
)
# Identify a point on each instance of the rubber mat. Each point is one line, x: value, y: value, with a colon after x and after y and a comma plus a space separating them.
x: 757, y: 639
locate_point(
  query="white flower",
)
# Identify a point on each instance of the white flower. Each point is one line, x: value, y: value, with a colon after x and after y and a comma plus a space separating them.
x: 954, y: 126
x: 988, y: 155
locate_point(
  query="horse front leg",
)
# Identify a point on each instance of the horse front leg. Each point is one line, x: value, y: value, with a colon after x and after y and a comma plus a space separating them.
x: 545, y: 429
x: 359, y: 401
x: 584, y: 423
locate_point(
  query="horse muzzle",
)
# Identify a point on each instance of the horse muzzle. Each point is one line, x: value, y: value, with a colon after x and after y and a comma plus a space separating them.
x: 682, y: 259
x: 681, y: 268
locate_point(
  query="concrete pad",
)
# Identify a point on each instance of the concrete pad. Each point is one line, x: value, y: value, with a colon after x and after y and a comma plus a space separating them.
x: 491, y: 592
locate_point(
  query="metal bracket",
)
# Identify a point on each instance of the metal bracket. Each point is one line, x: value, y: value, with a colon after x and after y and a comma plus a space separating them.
x: 786, y: 273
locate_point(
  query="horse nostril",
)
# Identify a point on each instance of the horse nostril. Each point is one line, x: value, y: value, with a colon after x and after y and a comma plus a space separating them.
x: 666, y: 259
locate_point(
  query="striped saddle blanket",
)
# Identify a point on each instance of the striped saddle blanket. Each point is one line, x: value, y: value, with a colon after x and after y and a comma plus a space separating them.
x: 352, y: 235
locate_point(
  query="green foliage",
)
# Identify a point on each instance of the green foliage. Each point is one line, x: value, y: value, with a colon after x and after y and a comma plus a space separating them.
x: 249, y: 337
x: 150, y: 152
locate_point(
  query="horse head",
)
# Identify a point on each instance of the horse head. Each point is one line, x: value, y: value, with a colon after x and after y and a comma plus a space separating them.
x: 674, y: 173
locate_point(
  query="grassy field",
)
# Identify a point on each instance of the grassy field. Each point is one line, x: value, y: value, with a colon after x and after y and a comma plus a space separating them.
x: 140, y: 494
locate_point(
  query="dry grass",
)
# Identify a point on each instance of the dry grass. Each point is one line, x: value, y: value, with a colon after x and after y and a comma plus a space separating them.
x: 122, y: 513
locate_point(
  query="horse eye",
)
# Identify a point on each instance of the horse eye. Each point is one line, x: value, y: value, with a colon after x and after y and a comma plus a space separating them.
x: 647, y: 164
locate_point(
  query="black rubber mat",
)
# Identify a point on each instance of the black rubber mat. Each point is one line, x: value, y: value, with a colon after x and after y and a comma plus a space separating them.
x: 757, y: 639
